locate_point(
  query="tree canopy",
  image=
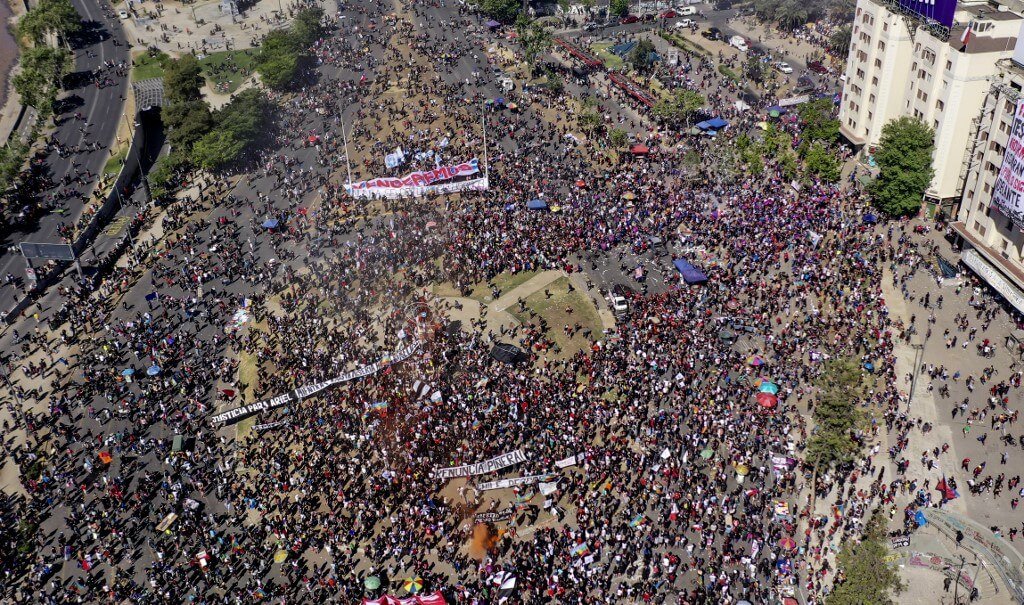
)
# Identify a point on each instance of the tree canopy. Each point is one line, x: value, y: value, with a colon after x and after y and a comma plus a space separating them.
x: 640, y: 57
x: 904, y: 158
x: 836, y: 413
x: 183, y: 79
x: 865, y: 576
x: 680, y: 106
x: 619, y: 8
x: 504, y: 11
x: 50, y: 16
x: 534, y: 39
x: 818, y: 121
x: 42, y: 70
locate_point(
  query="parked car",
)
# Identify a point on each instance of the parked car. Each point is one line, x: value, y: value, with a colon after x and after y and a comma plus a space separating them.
x: 589, y: 27
x: 684, y: 23
x: 817, y: 67
x: 669, y: 14
x: 784, y: 67
x: 688, y: 10
x: 724, y: 5
x: 739, y: 43
x: 712, y: 33
x: 122, y: 14
x: 629, y: 19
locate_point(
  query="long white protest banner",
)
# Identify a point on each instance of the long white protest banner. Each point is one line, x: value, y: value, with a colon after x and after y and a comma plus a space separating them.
x: 297, y: 395
x: 512, y: 482
x: 1008, y: 194
x: 487, y: 466
x: 416, y: 184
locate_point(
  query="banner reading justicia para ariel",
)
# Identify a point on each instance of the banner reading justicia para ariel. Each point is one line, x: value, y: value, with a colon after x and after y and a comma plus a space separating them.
x: 438, y: 180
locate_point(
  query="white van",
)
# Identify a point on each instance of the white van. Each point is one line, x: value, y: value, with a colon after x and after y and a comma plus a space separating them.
x: 687, y: 10
x: 739, y: 43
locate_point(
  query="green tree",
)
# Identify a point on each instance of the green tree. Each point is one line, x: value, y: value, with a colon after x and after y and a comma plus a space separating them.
x: 183, y: 79
x: 818, y: 121
x: 822, y: 163
x: 42, y: 70
x: 308, y: 25
x: 246, y: 116
x: 640, y: 56
x: 504, y: 11
x: 792, y: 14
x: 590, y: 120
x: 554, y: 82
x: 278, y: 61
x: 680, y: 106
x: 619, y: 8
x: 12, y: 158
x: 617, y: 137
x: 534, y: 39
x: 904, y: 158
x: 163, y: 176
x: 50, y: 16
x: 836, y: 414
x: 187, y: 122
x: 217, y: 149
x: 865, y: 576
x: 840, y: 40
x: 754, y: 69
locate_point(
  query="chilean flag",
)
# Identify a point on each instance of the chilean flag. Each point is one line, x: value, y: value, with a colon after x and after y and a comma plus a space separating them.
x: 966, y: 36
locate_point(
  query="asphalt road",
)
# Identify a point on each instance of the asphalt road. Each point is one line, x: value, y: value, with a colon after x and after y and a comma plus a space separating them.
x: 101, y: 110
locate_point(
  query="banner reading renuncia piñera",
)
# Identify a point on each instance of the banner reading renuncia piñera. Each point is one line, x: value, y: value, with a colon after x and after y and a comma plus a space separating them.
x: 420, y: 183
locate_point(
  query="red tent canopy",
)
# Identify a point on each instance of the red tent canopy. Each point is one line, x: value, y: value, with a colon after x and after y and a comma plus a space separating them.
x: 639, y: 149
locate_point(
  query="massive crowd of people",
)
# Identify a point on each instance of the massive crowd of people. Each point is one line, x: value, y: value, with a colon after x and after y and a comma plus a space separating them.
x: 658, y: 474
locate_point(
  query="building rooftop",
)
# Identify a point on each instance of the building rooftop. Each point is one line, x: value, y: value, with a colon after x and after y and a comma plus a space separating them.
x: 980, y: 45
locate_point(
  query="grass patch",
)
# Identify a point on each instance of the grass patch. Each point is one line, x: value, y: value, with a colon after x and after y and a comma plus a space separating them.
x: 561, y: 308
x: 248, y: 370
x: 729, y: 73
x: 147, y: 65
x: 610, y: 59
x: 690, y: 48
x: 226, y: 70
x: 113, y: 165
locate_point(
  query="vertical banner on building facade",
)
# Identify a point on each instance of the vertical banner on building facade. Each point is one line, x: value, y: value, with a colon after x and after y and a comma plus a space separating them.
x: 1008, y: 196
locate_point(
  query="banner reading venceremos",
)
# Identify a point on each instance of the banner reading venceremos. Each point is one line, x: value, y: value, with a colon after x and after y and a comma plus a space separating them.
x: 417, y: 184
x: 233, y: 416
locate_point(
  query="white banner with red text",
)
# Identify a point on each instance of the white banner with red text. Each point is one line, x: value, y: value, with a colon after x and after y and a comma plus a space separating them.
x: 443, y: 179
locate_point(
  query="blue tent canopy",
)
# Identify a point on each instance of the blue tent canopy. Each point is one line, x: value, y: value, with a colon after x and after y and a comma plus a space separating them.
x: 537, y: 205
x: 717, y: 123
x: 492, y: 24
x: 623, y: 49
x: 778, y: 108
x: 270, y: 223
x: 870, y: 219
x: 691, y: 274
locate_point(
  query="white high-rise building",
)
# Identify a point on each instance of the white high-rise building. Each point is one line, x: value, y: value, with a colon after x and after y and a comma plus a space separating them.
x: 902, y: 65
x: 992, y: 242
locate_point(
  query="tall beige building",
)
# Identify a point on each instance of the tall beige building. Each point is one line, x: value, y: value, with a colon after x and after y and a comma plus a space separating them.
x: 899, y: 65
x: 992, y: 243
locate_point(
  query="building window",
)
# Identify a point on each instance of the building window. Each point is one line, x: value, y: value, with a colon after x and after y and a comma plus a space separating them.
x: 878, y: 63
x: 885, y: 27
x: 874, y: 81
x: 881, y: 46
x: 869, y: 116
x: 939, y: 105
x: 949, y: 65
x: 935, y: 124
x: 871, y: 99
x: 979, y: 228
